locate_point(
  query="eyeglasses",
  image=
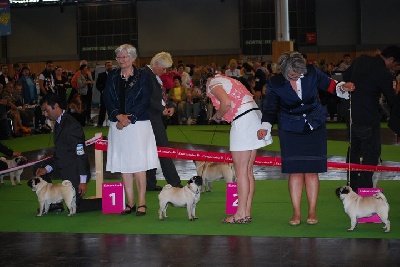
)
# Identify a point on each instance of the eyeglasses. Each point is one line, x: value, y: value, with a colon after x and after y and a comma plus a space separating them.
x: 124, y: 57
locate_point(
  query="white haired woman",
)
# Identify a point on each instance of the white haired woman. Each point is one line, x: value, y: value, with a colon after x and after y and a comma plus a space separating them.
x: 293, y: 96
x: 131, y: 144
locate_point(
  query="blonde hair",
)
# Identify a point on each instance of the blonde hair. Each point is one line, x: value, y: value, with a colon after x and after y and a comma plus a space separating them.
x: 162, y: 59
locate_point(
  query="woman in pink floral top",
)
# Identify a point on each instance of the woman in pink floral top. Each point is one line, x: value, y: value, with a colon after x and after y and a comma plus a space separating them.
x: 235, y: 104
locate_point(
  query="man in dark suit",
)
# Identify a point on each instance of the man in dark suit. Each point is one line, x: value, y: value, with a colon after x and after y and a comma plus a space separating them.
x: 101, y: 85
x: 70, y: 161
x: 157, y: 108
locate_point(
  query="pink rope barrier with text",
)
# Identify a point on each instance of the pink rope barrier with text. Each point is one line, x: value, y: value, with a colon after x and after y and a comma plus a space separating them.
x: 168, y: 152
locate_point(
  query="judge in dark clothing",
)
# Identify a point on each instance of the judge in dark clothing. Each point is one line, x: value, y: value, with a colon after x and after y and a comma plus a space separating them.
x: 69, y: 161
x: 157, y: 107
x: 101, y: 85
x: 372, y: 77
x: 8, y: 152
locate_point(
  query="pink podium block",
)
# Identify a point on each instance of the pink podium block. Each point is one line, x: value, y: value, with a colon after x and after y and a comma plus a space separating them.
x: 231, y: 198
x: 113, y: 197
x: 365, y: 192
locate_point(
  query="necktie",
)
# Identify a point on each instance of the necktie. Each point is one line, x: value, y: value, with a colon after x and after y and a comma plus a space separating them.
x: 56, y: 127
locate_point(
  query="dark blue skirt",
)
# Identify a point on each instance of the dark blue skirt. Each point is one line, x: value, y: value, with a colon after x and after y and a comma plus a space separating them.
x: 304, y: 152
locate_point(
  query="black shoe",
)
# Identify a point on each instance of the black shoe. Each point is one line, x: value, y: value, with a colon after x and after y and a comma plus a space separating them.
x: 128, y: 210
x: 141, y: 213
x: 156, y: 188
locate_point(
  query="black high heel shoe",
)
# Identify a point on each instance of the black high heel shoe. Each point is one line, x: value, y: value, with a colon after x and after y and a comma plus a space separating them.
x: 128, y: 210
x: 141, y: 213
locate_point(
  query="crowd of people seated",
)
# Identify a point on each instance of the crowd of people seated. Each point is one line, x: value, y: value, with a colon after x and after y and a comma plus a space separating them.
x: 19, y: 95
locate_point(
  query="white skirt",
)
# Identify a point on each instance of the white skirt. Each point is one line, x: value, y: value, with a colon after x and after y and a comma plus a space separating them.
x: 243, y: 135
x: 132, y: 149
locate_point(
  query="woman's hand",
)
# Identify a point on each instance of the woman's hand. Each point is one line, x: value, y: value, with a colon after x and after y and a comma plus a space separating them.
x: 123, y: 120
x: 261, y: 134
x: 119, y: 126
x: 349, y: 87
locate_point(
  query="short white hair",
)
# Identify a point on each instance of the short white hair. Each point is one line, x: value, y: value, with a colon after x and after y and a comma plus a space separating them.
x: 163, y: 59
x: 130, y: 49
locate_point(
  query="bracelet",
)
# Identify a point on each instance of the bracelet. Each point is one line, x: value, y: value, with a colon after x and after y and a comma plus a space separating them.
x: 218, y: 119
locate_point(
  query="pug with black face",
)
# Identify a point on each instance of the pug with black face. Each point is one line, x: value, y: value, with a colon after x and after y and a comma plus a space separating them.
x: 53, y: 193
x: 357, y: 206
x: 187, y: 196
x: 18, y: 161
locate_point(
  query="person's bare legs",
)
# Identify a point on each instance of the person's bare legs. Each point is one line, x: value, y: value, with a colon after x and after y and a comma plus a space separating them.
x: 250, y: 177
x: 240, y: 163
x: 296, y: 184
x: 127, y: 179
x: 312, y: 189
x: 140, y: 178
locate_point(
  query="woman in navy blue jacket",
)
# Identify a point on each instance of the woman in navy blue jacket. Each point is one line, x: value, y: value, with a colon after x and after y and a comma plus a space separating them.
x: 292, y: 100
x: 132, y: 147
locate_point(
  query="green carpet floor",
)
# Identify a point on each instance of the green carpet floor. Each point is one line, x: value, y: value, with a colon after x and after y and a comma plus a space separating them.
x: 271, y: 212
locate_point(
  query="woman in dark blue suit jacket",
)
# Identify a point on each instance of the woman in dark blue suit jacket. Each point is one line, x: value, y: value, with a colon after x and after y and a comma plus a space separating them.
x: 292, y: 99
x: 132, y: 147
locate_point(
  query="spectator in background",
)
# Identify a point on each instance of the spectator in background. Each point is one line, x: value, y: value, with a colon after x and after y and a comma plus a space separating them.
x: 17, y: 72
x: 247, y: 70
x: 193, y: 104
x: 101, y: 85
x: 5, y: 129
x: 233, y: 70
x: 261, y: 80
x: 29, y: 92
x: 75, y: 108
x: 4, y: 77
x: 25, y: 112
x: 74, y: 79
x: 84, y: 83
x: 167, y: 78
x: 12, y: 111
x: 178, y: 95
x: 186, y: 80
x: 346, y: 62
x: 46, y: 79
x: 61, y: 84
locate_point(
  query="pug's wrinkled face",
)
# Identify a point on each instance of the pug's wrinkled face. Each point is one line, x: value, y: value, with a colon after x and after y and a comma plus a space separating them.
x: 198, y: 180
x: 343, y: 191
x: 32, y: 183
x: 21, y: 160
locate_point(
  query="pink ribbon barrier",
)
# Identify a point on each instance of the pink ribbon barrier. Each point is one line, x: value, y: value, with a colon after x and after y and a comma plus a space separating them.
x: 168, y: 152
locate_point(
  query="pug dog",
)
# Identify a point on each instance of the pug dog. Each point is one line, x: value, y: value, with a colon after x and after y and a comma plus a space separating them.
x: 187, y: 196
x: 212, y: 171
x: 53, y: 193
x: 357, y: 206
x: 18, y: 161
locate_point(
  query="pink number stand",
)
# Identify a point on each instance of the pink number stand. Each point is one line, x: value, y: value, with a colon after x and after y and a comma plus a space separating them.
x: 231, y: 198
x: 113, y: 197
x: 365, y: 192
